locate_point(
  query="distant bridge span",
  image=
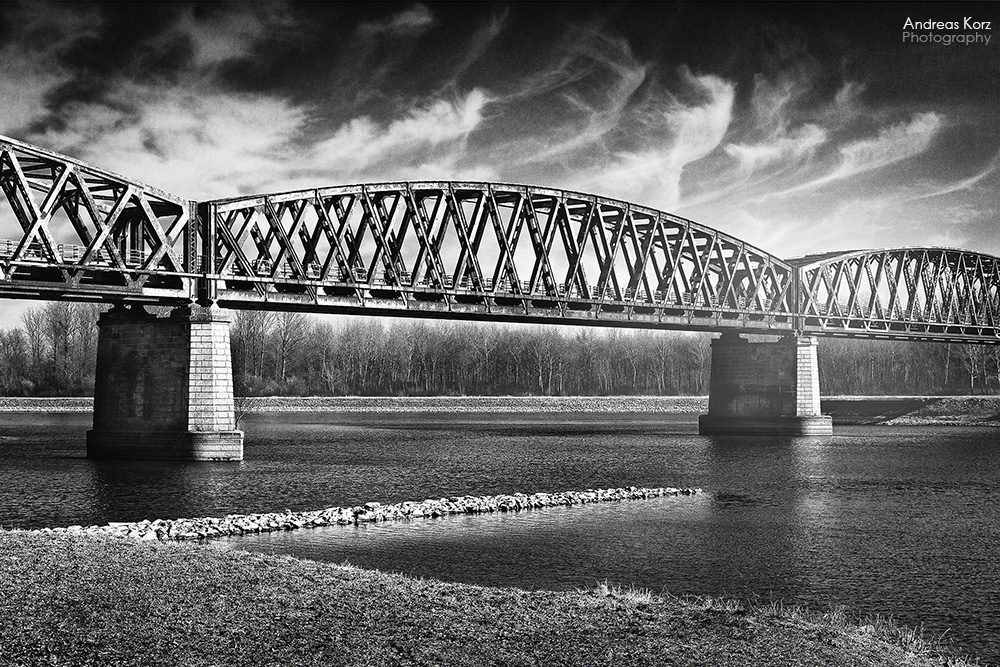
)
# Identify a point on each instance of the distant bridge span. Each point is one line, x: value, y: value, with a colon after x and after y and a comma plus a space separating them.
x: 478, y: 251
x: 483, y: 251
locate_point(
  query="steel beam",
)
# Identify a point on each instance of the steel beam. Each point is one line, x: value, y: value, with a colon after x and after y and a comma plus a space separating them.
x: 461, y: 249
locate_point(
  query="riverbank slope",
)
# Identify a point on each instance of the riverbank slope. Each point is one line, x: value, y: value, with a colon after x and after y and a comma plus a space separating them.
x: 93, y: 600
x: 896, y: 410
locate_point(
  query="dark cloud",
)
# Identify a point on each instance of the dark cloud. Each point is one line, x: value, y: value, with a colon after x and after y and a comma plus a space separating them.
x: 760, y: 118
x: 132, y: 42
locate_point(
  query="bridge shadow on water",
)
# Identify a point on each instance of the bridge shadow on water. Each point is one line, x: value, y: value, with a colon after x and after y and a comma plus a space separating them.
x: 874, y: 410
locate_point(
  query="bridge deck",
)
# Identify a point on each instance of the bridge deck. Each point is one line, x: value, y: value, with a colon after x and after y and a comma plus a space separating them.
x: 461, y: 250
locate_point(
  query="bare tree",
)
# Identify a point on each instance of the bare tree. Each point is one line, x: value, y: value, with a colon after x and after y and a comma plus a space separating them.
x: 289, y: 333
x: 14, y: 363
x: 248, y: 340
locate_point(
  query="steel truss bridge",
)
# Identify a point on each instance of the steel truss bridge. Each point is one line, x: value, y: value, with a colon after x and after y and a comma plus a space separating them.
x: 483, y: 251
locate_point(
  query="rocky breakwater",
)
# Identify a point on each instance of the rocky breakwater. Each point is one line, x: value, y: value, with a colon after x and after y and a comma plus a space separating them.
x: 239, y: 524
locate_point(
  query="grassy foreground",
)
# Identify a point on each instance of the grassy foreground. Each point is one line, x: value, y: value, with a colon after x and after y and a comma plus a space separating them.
x: 94, y: 600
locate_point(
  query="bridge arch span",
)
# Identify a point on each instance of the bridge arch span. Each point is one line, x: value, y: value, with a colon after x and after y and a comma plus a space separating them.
x: 489, y: 251
x: 70, y: 230
x: 461, y: 249
x: 925, y: 293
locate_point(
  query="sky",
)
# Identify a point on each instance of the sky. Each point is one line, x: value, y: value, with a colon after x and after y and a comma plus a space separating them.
x: 798, y: 127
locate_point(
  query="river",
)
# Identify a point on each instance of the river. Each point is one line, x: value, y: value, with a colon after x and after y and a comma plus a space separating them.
x: 897, y: 521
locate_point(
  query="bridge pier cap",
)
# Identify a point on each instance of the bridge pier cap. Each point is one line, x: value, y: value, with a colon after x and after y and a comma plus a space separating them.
x: 164, y: 386
x: 764, y: 388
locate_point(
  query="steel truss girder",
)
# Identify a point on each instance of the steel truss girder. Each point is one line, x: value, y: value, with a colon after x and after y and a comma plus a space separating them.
x: 461, y: 250
x: 499, y: 250
x: 86, y: 231
x: 917, y: 293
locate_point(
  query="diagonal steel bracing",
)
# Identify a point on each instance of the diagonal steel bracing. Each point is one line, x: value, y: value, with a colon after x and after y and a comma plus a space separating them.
x: 88, y: 233
x: 461, y: 250
x: 494, y: 251
x: 919, y: 293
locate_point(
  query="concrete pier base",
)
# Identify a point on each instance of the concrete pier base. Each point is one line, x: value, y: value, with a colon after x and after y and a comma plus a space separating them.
x: 164, y: 387
x: 764, y: 388
x: 820, y: 425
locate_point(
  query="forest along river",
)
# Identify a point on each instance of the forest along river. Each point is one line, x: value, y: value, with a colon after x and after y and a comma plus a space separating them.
x: 898, y: 521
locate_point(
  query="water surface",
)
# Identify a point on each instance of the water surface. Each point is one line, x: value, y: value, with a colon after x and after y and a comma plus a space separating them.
x: 899, y: 521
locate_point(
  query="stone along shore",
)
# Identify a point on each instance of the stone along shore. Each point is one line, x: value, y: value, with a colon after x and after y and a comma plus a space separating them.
x: 239, y: 524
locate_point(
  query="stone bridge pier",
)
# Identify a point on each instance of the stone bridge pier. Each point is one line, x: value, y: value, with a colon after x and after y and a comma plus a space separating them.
x: 764, y: 388
x: 164, y: 387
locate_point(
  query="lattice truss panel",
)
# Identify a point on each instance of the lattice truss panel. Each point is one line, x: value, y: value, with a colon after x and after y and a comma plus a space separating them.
x: 909, y: 292
x: 68, y: 227
x: 411, y: 244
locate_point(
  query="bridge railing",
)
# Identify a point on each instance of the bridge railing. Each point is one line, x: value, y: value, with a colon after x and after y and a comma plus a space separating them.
x: 35, y: 252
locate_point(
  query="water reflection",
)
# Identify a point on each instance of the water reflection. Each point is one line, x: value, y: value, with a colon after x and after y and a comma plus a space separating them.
x: 556, y: 548
x: 136, y: 490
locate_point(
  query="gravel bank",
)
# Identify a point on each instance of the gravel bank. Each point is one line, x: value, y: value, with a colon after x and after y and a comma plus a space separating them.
x: 44, y: 404
x: 894, y: 410
x: 450, y: 404
x: 238, y: 524
x: 455, y: 404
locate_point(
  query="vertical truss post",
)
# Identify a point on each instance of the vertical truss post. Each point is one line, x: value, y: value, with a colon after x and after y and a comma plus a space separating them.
x: 207, y: 289
x: 798, y: 304
x: 191, y: 236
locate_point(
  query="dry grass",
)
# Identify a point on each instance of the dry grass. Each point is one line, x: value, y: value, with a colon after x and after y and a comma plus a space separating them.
x: 76, y: 600
x: 628, y: 594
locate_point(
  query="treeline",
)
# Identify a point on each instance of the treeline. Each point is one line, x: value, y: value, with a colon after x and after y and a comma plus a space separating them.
x: 887, y: 368
x: 290, y: 353
x: 53, y: 353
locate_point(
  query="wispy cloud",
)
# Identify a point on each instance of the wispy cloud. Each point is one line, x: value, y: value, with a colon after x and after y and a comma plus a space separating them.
x: 785, y: 148
x: 222, y: 36
x: 792, y: 157
x: 586, y: 88
x: 198, y: 139
x: 213, y: 145
x: 893, y: 144
x: 476, y: 45
x: 415, y: 19
x: 991, y: 169
x: 363, y: 146
x: 678, y: 134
